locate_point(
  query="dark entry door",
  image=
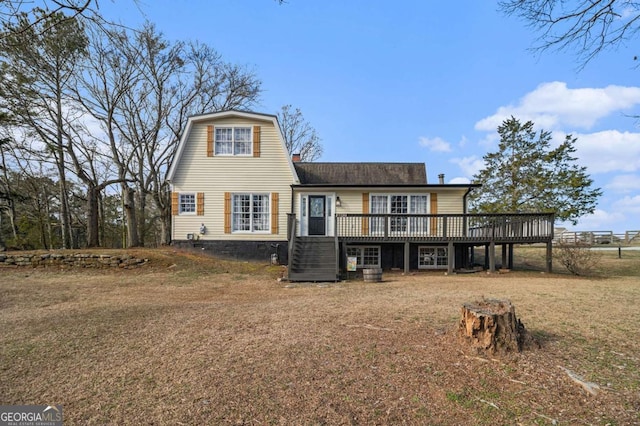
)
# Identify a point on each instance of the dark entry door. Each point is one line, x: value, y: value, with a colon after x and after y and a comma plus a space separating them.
x: 317, y: 214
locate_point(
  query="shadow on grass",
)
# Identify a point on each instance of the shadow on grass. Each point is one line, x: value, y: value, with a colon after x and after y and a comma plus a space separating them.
x: 543, y: 338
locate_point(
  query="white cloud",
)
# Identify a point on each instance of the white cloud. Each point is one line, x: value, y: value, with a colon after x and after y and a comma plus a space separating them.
x: 469, y: 165
x: 460, y: 180
x: 490, y: 141
x: 621, y: 215
x: 435, y: 144
x: 553, y: 105
x: 601, y: 220
x: 610, y: 150
x: 624, y: 183
x: 629, y: 205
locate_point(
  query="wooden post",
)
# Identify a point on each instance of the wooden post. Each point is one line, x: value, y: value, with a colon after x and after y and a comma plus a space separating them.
x: 504, y: 256
x: 407, y: 253
x: 492, y: 256
x: 549, y: 256
x: 451, y: 258
x: 486, y: 256
x: 511, y: 256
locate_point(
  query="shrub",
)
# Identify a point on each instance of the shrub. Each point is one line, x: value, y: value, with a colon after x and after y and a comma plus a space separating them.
x: 578, y: 257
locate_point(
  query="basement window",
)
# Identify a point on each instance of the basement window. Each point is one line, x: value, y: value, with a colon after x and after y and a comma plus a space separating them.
x: 368, y: 256
x: 433, y: 257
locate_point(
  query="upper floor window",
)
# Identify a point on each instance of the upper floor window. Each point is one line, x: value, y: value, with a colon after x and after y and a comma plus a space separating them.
x: 187, y: 203
x: 233, y: 141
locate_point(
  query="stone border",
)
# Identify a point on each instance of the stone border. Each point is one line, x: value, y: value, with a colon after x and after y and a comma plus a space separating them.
x: 71, y: 260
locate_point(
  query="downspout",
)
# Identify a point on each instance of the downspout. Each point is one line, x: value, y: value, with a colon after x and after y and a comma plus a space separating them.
x: 464, y: 200
x: 292, y: 198
x: 291, y: 233
x: 464, y: 210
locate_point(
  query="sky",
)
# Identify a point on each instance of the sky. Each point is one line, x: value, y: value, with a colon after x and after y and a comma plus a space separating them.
x: 420, y: 81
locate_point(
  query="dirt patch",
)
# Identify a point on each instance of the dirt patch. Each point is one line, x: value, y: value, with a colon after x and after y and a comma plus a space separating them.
x: 200, y: 341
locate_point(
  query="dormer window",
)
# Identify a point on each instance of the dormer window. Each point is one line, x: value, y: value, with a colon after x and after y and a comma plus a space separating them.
x: 233, y: 141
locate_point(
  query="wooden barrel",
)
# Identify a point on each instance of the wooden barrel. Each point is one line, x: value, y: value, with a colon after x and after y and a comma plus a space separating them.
x: 372, y: 275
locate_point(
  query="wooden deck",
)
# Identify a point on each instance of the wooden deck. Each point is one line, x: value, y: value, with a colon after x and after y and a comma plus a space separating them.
x: 443, y: 228
x: 461, y: 231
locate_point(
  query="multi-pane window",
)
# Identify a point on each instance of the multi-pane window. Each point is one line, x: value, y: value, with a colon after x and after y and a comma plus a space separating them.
x: 250, y: 212
x: 432, y: 257
x: 379, y: 205
x: 233, y: 141
x: 187, y: 203
x: 399, y: 204
x: 368, y: 256
x: 419, y: 205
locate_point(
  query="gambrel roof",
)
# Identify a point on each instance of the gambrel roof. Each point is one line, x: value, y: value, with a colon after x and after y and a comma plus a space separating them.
x: 210, y: 117
x: 361, y: 173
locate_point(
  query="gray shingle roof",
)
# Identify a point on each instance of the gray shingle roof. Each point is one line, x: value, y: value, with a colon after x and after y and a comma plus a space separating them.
x: 361, y: 173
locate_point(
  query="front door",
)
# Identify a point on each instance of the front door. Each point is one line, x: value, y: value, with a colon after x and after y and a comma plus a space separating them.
x: 317, y: 214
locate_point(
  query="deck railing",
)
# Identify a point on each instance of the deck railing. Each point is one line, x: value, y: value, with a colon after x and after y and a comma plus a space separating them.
x: 489, y: 227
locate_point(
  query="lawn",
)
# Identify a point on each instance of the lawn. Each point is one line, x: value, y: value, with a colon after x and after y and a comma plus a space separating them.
x: 190, y: 340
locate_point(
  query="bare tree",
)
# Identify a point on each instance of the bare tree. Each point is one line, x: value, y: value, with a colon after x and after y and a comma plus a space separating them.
x: 11, y: 12
x: 589, y: 26
x: 37, y: 70
x: 7, y: 193
x: 33, y: 201
x: 299, y: 136
x: 107, y: 77
x: 142, y: 89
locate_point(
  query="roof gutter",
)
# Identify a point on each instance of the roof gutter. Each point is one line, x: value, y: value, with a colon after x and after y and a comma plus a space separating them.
x: 464, y: 197
x: 376, y: 185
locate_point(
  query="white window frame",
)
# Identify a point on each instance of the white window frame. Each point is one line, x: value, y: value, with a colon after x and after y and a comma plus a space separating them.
x: 183, y: 203
x: 400, y: 225
x: 360, y: 254
x: 234, y: 144
x: 236, y: 216
x: 435, y: 256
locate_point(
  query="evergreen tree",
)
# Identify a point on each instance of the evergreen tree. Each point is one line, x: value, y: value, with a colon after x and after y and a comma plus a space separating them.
x: 527, y: 175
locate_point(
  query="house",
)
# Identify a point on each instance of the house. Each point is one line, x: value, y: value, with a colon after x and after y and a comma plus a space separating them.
x: 238, y: 193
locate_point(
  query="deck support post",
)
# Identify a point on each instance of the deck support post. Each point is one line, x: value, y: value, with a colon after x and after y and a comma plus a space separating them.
x: 510, y: 256
x: 486, y: 256
x: 492, y: 256
x: 343, y: 259
x: 407, y: 253
x: 503, y: 264
x: 549, y: 256
x: 451, y: 258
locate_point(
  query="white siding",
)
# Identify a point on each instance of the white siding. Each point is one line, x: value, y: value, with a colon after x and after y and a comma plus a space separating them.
x: 216, y: 175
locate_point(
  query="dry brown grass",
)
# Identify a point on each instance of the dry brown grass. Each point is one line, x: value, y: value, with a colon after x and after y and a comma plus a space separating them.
x: 197, y: 341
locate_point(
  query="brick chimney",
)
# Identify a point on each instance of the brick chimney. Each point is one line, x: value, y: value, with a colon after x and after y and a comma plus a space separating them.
x: 441, y: 178
x: 295, y: 158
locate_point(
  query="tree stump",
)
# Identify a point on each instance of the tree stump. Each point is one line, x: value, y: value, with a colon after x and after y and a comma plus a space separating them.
x: 492, y: 326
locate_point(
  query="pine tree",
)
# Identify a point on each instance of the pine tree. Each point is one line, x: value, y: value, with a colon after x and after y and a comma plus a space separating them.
x: 527, y: 175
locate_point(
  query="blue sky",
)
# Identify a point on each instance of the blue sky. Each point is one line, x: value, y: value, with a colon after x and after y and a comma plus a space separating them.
x: 422, y: 81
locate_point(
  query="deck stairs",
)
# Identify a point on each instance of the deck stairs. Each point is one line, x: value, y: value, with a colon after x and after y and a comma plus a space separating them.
x: 313, y: 259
